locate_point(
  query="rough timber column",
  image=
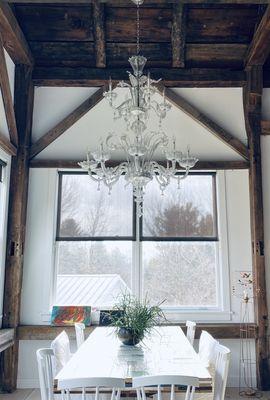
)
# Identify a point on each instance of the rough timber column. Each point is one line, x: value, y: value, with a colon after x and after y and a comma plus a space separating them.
x: 252, y: 109
x: 23, y: 104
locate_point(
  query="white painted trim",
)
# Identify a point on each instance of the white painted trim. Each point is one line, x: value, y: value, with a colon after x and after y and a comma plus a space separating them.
x: 4, y: 197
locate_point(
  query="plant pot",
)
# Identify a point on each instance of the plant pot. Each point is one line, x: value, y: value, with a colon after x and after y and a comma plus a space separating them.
x: 126, y: 336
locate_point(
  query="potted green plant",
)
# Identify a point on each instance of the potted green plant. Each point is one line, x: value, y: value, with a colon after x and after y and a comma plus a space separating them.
x: 134, y: 319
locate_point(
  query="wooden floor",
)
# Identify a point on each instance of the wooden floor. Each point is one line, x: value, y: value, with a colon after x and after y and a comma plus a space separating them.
x: 33, y: 394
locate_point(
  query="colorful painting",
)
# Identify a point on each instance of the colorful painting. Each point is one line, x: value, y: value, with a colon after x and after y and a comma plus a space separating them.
x: 69, y: 315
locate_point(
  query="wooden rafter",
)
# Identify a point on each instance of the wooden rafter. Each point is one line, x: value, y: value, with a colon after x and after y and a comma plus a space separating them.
x: 200, y: 166
x: 252, y: 111
x: 178, y: 35
x: 183, y: 105
x: 100, y: 44
x: 13, y: 37
x: 7, y: 146
x: 7, y: 97
x: 171, y: 77
x: 259, y: 48
x: 66, y: 123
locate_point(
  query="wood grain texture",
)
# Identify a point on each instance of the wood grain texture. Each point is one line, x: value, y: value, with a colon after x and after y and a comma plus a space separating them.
x: 7, y: 146
x: 171, y: 77
x: 179, y: 35
x: 13, y: 37
x: 212, y: 127
x: 7, y: 97
x: 6, y: 339
x: 24, y: 93
x: 265, y: 127
x: 66, y: 123
x: 99, y: 30
x: 252, y: 110
x: 46, y: 332
x: 259, y: 48
x: 200, y: 166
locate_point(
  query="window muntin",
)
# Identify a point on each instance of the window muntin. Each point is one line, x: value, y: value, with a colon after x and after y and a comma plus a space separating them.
x: 140, y: 265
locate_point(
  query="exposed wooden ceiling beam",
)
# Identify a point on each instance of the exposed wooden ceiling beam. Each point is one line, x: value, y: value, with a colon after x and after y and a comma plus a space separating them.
x: 171, y: 77
x: 66, y: 123
x: 200, y: 166
x: 259, y: 48
x: 178, y: 35
x: 220, y: 133
x: 7, y: 97
x: 100, y: 43
x: 7, y: 146
x: 13, y: 37
x: 127, y: 2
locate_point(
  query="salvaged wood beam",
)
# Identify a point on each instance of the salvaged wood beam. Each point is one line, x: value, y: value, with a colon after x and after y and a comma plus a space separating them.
x: 45, y: 332
x: 99, y: 32
x: 259, y: 48
x: 66, y: 123
x: 7, y: 146
x: 265, y: 127
x: 252, y: 110
x: 13, y: 37
x: 178, y: 35
x: 7, y: 97
x: 200, y: 166
x: 23, y: 104
x: 171, y: 77
x: 220, y: 133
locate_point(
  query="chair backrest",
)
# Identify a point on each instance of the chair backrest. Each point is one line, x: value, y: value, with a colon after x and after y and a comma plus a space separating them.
x: 79, y: 330
x: 191, y: 328
x: 222, y: 361
x: 61, y: 350
x: 140, y: 383
x: 207, y: 349
x: 115, y: 384
x: 45, y: 372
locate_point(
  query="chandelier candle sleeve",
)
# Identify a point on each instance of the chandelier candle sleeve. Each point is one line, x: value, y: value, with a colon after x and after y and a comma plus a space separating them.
x: 139, y: 144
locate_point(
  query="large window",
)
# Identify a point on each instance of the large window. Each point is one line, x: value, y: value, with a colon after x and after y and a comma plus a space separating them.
x: 104, y: 249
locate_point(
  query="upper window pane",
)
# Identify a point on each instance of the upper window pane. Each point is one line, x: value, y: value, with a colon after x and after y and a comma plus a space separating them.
x: 188, y: 212
x: 88, y: 212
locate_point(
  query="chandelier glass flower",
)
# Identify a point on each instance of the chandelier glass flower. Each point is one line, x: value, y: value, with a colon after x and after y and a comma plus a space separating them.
x: 139, y: 144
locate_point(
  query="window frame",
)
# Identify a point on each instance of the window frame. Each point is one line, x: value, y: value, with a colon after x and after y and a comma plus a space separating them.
x: 175, y: 314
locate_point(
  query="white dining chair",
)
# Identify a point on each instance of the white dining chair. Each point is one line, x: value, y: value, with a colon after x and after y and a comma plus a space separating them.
x: 79, y: 330
x: 207, y: 349
x: 222, y: 362
x: 83, y: 384
x: 158, y: 381
x: 191, y: 329
x: 45, y: 373
x: 61, y: 350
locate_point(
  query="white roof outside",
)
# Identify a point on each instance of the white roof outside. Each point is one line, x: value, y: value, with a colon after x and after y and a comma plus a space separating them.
x: 89, y: 290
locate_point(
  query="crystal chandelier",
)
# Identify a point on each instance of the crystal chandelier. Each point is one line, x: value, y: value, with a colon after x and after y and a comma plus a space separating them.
x: 139, y: 144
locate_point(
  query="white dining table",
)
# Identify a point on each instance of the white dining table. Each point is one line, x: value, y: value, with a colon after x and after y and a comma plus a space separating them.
x: 165, y: 351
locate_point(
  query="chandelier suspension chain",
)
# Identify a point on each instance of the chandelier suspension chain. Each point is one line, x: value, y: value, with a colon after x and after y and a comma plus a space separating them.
x: 138, y: 28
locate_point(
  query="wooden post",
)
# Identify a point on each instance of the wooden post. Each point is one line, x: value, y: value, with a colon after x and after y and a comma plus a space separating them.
x: 252, y: 108
x: 23, y: 103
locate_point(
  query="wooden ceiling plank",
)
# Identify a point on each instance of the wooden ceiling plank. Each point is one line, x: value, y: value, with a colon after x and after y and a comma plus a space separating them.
x: 259, y: 48
x: 200, y: 166
x: 66, y: 123
x: 13, y: 37
x: 234, y: 143
x: 99, y: 31
x: 171, y: 77
x: 7, y: 146
x: 7, y: 97
x: 179, y: 35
